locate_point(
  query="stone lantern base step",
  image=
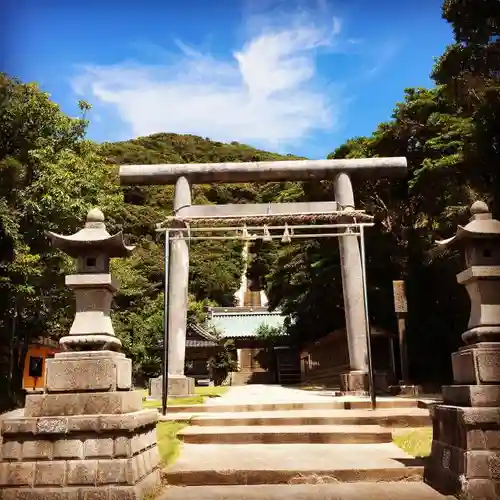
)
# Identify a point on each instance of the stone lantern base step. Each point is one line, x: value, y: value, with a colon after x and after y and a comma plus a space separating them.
x: 84, y: 371
x: 465, y: 454
x: 83, y: 403
x: 145, y: 486
x: 472, y: 395
x: 106, y: 456
x: 477, y: 364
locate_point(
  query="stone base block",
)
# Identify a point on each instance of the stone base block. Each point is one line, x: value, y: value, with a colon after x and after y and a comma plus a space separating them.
x: 482, y: 334
x: 465, y: 457
x: 472, y: 395
x: 83, y: 403
x: 354, y: 382
x: 52, y: 428
x: 88, y: 371
x: 449, y: 483
x: 406, y: 390
x: 146, y: 486
x: 104, y: 455
x: 382, y: 381
x: 177, y: 386
x: 479, y: 364
x: 180, y: 386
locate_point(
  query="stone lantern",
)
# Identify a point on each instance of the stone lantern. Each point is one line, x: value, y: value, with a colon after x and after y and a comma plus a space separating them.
x: 87, y: 435
x: 466, y: 428
x: 92, y: 247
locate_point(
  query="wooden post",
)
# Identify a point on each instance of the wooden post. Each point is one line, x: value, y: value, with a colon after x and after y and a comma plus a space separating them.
x: 401, y: 309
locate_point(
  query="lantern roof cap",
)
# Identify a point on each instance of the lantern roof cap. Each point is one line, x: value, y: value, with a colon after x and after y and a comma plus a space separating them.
x: 481, y: 226
x: 92, y: 238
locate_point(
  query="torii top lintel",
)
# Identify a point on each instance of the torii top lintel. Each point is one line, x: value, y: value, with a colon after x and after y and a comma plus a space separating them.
x: 264, y: 171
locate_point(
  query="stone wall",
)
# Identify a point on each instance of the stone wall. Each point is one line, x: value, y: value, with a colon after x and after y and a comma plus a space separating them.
x: 323, y: 361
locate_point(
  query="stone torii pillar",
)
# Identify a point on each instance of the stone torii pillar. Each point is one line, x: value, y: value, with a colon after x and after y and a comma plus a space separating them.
x: 178, y: 383
x: 356, y: 380
x: 182, y: 175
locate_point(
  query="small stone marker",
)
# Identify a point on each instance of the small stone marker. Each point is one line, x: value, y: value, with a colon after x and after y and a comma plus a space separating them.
x: 87, y: 436
x: 465, y: 457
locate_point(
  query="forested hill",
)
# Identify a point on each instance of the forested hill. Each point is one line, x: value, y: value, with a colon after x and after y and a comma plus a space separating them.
x: 181, y: 148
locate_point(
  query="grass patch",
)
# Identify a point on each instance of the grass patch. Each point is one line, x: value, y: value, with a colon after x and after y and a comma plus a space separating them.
x: 415, y: 442
x: 201, y: 393
x: 211, y: 391
x: 168, y: 443
x: 188, y: 400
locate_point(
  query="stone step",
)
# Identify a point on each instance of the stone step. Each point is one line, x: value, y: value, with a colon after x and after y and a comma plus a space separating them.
x: 329, y: 404
x: 388, y: 417
x: 250, y: 464
x: 278, y: 434
x: 338, y: 491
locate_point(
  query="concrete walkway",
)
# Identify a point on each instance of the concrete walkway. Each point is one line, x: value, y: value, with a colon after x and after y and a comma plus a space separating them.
x: 270, y: 442
x: 233, y: 464
x: 261, y: 394
x: 339, y: 491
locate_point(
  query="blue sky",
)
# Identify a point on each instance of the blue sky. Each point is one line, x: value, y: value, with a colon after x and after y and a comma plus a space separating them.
x: 297, y: 76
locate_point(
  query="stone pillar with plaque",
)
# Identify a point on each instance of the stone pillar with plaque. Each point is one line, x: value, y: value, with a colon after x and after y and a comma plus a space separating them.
x: 401, y: 309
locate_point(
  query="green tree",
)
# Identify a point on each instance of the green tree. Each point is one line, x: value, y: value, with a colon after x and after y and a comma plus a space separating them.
x: 49, y: 177
x: 469, y: 72
x: 223, y: 362
x: 271, y: 334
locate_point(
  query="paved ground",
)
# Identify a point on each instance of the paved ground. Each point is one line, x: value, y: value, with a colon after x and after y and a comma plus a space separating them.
x: 307, y: 457
x: 256, y: 393
x: 299, y: 471
x: 340, y: 491
x: 260, y: 394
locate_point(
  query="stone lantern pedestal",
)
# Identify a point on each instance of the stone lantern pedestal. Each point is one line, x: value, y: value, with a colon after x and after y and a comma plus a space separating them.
x: 86, y: 437
x: 465, y: 456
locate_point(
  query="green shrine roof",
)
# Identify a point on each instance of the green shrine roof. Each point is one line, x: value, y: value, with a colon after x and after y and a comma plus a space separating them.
x: 240, y: 322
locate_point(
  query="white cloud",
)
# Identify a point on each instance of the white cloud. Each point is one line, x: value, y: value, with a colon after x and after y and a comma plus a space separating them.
x: 384, y: 54
x: 267, y: 93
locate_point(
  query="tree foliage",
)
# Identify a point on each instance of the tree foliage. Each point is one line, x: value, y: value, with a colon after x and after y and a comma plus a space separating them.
x: 270, y: 334
x: 450, y: 136
x: 49, y: 177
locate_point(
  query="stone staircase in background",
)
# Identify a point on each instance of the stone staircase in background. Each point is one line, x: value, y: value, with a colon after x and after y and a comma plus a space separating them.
x: 288, y: 366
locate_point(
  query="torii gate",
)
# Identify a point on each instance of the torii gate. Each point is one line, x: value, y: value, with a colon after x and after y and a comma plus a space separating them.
x: 184, y: 175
